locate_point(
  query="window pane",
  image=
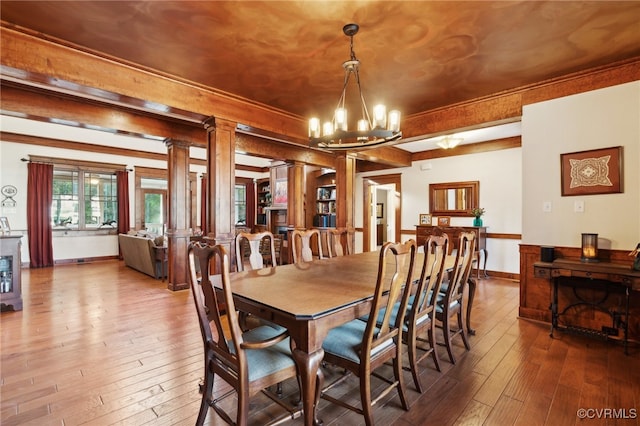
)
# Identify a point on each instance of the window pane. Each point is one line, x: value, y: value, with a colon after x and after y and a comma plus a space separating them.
x: 153, y: 212
x: 65, y: 205
x: 241, y: 204
x: 100, y: 199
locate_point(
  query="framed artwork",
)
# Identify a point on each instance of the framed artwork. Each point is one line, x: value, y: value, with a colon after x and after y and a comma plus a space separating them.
x: 425, y: 219
x: 598, y: 171
x: 379, y: 210
x: 444, y: 220
x: 4, y: 224
x: 280, y: 195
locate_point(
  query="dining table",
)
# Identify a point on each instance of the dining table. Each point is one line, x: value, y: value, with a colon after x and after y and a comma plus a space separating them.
x: 311, y: 298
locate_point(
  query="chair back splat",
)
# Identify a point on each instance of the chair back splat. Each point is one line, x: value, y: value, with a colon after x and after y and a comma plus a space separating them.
x: 362, y: 346
x: 303, y: 243
x: 259, y: 248
x: 248, y: 361
x: 451, y: 295
x: 339, y: 242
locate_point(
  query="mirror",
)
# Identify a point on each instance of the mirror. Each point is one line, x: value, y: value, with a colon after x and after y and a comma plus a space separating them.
x: 453, y: 198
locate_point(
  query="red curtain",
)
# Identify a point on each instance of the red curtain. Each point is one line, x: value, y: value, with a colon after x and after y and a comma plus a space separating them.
x: 203, y: 204
x: 251, y: 203
x: 39, y: 200
x: 124, y: 222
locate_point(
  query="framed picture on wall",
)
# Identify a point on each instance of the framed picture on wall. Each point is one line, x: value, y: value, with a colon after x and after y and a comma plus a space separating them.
x: 425, y: 219
x: 280, y: 195
x: 4, y: 224
x: 444, y: 220
x: 379, y: 210
x: 598, y: 171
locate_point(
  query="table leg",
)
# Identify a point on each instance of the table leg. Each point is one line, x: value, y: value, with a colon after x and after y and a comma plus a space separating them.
x: 311, y: 379
x: 472, y: 293
x: 554, y: 306
x: 484, y: 262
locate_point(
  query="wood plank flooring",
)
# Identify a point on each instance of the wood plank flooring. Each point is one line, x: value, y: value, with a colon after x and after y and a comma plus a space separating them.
x: 102, y: 344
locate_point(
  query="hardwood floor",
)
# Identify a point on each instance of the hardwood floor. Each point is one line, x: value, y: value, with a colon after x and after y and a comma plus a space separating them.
x: 102, y: 344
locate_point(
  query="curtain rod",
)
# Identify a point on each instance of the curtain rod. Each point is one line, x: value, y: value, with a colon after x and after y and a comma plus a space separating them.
x: 88, y: 164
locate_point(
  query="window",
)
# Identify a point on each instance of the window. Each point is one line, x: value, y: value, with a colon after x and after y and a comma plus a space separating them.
x: 154, y: 192
x: 241, y: 204
x: 84, y: 199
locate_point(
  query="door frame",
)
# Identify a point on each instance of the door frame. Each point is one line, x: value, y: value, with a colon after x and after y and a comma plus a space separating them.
x: 368, y: 182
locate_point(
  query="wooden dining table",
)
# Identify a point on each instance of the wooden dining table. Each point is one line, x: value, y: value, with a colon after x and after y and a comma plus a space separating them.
x: 309, y: 299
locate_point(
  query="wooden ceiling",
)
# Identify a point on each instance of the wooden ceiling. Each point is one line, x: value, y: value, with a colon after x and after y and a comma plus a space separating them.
x: 415, y: 55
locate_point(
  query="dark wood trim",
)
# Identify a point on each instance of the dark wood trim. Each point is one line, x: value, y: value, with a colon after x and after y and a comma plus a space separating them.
x: 474, y: 148
x: 41, y: 105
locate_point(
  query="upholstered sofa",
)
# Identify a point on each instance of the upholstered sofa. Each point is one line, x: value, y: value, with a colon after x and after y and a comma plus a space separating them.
x: 139, y: 253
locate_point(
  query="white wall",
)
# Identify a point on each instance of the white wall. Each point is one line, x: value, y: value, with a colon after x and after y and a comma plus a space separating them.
x: 500, y: 177
x: 598, y: 119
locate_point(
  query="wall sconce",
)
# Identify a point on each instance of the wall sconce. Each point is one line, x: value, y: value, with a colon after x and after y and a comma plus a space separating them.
x: 589, y: 248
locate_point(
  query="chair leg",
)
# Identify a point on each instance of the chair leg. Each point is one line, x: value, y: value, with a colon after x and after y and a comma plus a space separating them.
x: 446, y: 329
x: 397, y: 369
x: 432, y: 341
x: 365, y: 398
x: 206, y: 389
x: 463, y: 331
x: 242, y: 417
x: 413, y: 363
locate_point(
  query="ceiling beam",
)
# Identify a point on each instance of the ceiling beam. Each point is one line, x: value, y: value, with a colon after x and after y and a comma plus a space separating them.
x: 472, y: 148
x: 108, y: 78
x: 37, y: 104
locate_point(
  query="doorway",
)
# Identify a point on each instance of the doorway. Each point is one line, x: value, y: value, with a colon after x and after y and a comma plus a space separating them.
x: 391, y: 200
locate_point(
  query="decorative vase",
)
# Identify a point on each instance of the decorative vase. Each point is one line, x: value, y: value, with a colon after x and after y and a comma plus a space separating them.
x: 477, y: 221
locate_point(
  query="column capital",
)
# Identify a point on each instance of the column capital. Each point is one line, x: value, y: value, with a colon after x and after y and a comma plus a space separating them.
x: 169, y: 142
x: 212, y: 123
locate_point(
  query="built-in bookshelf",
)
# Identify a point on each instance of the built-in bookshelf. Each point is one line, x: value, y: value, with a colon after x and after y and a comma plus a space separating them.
x: 325, y: 213
x: 263, y: 189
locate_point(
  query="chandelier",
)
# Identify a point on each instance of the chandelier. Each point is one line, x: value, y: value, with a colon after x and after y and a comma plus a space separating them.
x: 449, y: 142
x: 370, y: 131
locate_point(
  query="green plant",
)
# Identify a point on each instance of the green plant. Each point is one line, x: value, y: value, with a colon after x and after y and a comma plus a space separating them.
x: 477, y: 211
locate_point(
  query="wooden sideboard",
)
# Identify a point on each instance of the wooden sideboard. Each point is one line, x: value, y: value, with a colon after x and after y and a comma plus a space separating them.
x: 424, y: 231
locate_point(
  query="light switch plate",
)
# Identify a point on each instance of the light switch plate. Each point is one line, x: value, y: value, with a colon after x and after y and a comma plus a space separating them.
x: 578, y: 206
x: 546, y: 206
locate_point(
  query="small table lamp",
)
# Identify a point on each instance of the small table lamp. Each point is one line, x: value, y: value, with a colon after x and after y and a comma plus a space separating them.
x: 589, y: 248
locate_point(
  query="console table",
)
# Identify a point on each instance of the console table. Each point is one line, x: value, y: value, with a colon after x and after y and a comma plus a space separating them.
x: 424, y: 231
x: 607, y: 278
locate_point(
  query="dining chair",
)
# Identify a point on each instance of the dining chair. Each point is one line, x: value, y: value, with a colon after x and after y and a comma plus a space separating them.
x: 248, y: 361
x: 361, y: 347
x: 258, y: 245
x: 251, y: 250
x: 301, y: 245
x: 421, y: 307
x: 339, y: 242
x: 450, y: 298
